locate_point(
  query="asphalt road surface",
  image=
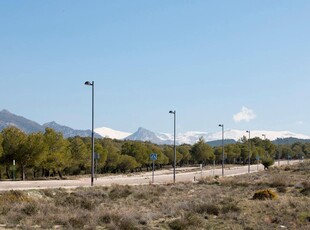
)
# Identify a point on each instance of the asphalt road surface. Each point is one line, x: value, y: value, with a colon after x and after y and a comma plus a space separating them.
x: 160, y: 177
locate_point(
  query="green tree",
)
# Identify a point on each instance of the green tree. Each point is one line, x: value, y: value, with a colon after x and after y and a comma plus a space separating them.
x: 306, y: 149
x: 113, y: 158
x: 126, y: 163
x: 57, y: 156
x: 162, y: 159
x: 1, y: 148
x: 139, y: 151
x: 184, y: 150
x: 169, y: 153
x: 286, y: 151
x: 80, y: 155
x: 102, y: 153
x: 202, y: 152
x: 33, y: 147
x: 13, y: 141
x: 297, y: 150
x: 1, y: 155
x: 232, y: 152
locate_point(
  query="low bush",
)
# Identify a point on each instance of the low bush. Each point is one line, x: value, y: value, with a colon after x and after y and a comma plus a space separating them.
x: 30, y: 209
x: 230, y: 207
x: 187, y: 221
x: 208, y: 208
x: 265, y: 194
x: 267, y: 162
x: 118, y: 192
x: 13, y: 196
x: 278, y: 181
x: 306, y: 188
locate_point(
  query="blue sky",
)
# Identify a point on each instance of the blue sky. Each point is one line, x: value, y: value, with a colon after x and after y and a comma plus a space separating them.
x: 241, y: 63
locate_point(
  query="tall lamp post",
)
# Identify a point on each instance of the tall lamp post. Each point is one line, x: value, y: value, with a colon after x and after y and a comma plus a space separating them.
x: 223, y: 157
x: 249, y: 168
x: 92, y: 84
x: 174, y: 146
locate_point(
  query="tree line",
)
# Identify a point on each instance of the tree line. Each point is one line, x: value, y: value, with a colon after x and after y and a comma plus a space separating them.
x: 49, y: 154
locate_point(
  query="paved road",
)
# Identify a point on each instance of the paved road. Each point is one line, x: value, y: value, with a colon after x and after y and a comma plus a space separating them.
x: 162, y: 176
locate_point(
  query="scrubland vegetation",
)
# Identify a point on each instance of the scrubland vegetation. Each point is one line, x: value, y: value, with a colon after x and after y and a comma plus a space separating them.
x: 278, y: 198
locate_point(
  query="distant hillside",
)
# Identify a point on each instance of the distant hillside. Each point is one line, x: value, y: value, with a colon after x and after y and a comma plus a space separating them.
x: 69, y: 132
x: 289, y: 141
x: 9, y: 119
x: 219, y: 142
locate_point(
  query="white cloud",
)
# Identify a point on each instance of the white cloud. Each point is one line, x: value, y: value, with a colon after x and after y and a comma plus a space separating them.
x: 299, y: 122
x: 244, y: 115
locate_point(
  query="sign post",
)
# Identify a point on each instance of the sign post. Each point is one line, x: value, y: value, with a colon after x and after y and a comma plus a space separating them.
x: 153, y: 157
x: 257, y: 160
x: 97, y: 157
x: 13, y: 169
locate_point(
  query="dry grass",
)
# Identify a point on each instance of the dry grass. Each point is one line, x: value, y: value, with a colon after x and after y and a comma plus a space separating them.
x: 212, y: 203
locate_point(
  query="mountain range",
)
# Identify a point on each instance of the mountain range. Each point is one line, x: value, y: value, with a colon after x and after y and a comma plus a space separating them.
x: 9, y: 119
x: 231, y: 135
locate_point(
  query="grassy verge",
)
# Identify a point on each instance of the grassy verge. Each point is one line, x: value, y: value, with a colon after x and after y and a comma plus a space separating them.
x: 282, y: 201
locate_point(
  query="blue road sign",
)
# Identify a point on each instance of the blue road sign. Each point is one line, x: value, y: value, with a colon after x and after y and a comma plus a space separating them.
x: 153, y: 156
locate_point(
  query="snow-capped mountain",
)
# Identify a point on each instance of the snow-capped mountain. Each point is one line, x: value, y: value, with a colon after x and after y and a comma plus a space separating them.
x: 192, y: 137
x: 9, y: 119
x: 111, y: 133
x: 143, y: 134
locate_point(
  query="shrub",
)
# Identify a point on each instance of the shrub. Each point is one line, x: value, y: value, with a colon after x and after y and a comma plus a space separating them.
x: 77, y: 222
x: 281, y: 189
x: 306, y: 188
x: 30, y: 209
x: 267, y: 162
x: 128, y: 223
x: 188, y: 221
x: 278, y: 180
x: 210, y: 209
x: 265, y: 194
x: 118, y: 192
x: 13, y: 196
x: 230, y: 207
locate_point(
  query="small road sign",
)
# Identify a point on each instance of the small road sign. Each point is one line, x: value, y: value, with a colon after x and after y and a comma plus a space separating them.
x: 153, y: 156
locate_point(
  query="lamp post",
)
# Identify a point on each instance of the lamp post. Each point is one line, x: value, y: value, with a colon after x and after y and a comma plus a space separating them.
x: 92, y: 84
x: 249, y: 168
x: 223, y: 157
x: 174, y: 146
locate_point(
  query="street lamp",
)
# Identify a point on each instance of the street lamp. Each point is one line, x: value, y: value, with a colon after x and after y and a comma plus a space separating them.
x: 223, y: 158
x: 249, y: 168
x: 175, y: 151
x: 92, y: 84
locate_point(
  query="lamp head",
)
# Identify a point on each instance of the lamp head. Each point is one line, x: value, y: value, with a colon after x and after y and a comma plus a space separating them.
x: 221, y: 125
x: 173, y: 112
x: 88, y: 83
